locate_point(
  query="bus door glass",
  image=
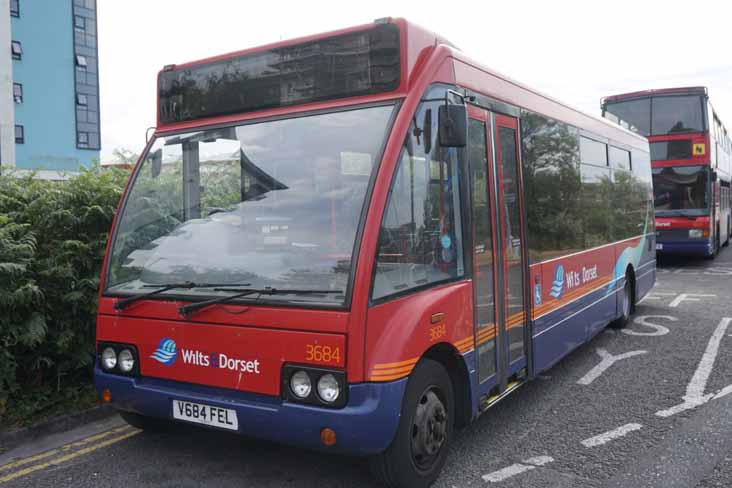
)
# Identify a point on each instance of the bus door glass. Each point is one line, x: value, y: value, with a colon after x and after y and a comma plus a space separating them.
x: 513, y: 309
x: 484, y: 271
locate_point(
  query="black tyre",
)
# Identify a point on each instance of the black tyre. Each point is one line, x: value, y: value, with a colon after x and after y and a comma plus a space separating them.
x: 144, y: 423
x: 628, y: 305
x: 417, y: 454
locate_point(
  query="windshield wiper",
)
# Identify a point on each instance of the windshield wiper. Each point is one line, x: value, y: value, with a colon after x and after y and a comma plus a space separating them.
x: 186, y: 310
x: 161, y: 288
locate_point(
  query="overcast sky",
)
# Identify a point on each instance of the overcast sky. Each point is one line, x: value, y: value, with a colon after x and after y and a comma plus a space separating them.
x: 577, y: 51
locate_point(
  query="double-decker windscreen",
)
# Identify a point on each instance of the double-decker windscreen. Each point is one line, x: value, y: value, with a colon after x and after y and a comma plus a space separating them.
x: 659, y: 115
x: 273, y: 204
x: 359, y: 63
x: 681, y: 190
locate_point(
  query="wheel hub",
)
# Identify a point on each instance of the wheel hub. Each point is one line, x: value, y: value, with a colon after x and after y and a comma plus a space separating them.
x: 429, y: 430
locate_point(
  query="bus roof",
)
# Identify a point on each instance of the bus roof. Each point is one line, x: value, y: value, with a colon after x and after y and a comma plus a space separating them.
x: 414, y: 39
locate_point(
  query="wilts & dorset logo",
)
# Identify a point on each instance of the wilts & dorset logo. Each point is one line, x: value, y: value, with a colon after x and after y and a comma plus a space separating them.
x: 166, y: 353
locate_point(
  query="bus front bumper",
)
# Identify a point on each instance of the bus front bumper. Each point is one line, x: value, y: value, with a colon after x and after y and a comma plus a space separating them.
x: 366, y: 425
x: 686, y: 246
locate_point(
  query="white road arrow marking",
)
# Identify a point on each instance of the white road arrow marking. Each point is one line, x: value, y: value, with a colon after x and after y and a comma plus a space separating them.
x: 607, y: 361
x: 695, y: 390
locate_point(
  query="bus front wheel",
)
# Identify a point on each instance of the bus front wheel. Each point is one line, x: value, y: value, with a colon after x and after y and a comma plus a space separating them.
x: 419, y: 450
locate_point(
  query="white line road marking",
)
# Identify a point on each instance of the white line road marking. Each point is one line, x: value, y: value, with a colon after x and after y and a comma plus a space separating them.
x: 643, y: 320
x: 607, y: 361
x: 656, y: 295
x: 610, y: 435
x: 695, y: 390
x: 517, y: 468
x: 688, y: 297
x: 539, y: 460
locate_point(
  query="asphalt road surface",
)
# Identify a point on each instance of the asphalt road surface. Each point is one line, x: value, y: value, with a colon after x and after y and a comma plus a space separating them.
x: 645, y: 407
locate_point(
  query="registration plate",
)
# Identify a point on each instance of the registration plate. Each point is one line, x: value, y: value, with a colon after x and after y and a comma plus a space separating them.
x: 198, y: 413
x: 659, y: 247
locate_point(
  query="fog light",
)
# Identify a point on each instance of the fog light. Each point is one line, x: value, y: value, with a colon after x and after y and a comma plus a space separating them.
x: 109, y: 358
x: 126, y: 361
x: 106, y: 395
x: 328, y: 389
x: 695, y: 233
x: 300, y: 384
x: 328, y: 437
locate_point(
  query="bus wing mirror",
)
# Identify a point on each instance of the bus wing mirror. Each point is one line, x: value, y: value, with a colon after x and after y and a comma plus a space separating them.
x: 156, y: 160
x: 453, y: 125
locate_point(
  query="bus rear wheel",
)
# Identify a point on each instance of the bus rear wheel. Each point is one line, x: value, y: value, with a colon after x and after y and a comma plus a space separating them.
x: 419, y: 450
x: 626, y: 307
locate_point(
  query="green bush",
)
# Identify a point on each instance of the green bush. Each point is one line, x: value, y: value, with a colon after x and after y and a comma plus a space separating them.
x: 52, y: 241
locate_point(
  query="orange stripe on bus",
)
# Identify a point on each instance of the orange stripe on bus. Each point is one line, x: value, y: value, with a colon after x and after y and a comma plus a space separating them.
x: 387, y: 378
x: 405, y: 369
x: 397, y: 364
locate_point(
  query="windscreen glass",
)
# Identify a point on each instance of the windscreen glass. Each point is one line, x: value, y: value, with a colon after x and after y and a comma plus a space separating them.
x: 271, y: 204
x: 660, y: 115
x: 681, y: 190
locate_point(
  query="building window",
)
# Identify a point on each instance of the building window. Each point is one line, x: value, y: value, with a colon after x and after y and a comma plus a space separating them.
x: 82, y: 139
x: 19, y: 134
x: 15, y: 8
x: 80, y: 61
x: 81, y: 100
x: 18, y: 93
x: 16, y: 49
x: 79, y: 22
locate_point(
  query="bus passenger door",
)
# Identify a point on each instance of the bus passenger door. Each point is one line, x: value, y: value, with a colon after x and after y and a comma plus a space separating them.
x: 484, y: 270
x: 512, y: 311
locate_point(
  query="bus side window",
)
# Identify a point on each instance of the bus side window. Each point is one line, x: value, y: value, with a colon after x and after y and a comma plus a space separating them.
x: 420, y: 240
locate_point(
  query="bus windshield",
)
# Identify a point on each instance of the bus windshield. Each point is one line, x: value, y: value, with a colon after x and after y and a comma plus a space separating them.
x: 681, y: 190
x: 659, y: 115
x: 270, y: 204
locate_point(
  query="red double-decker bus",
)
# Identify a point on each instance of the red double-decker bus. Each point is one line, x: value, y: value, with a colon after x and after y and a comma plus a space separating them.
x: 359, y: 241
x: 691, y: 156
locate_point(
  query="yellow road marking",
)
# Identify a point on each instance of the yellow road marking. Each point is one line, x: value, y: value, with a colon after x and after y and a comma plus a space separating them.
x: 67, y: 457
x: 66, y: 447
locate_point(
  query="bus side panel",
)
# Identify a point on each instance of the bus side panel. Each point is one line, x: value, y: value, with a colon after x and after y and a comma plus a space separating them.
x: 398, y: 332
x: 578, y: 295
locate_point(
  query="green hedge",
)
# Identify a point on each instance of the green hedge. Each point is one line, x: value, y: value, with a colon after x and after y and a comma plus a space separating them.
x: 52, y: 241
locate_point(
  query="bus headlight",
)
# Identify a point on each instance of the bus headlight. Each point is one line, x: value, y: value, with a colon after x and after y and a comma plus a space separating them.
x: 126, y: 361
x: 328, y: 389
x: 314, y: 385
x: 109, y: 359
x: 300, y: 384
x: 695, y: 233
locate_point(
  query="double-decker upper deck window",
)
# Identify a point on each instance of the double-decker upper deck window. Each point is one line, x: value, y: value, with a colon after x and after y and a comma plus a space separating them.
x: 15, y: 8
x: 657, y: 115
x: 677, y: 115
x: 420, y: 241
x: 358, y: 63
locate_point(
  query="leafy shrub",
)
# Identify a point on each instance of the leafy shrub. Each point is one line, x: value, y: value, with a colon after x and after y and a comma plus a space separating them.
x: 52, y: 241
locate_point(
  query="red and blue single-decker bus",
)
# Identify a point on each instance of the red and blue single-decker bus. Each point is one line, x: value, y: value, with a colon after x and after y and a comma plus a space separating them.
x: 359, y: 241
